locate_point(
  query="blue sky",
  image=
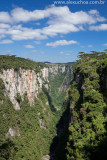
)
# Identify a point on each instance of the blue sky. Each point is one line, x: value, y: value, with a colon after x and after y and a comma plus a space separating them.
x: 44, y: 30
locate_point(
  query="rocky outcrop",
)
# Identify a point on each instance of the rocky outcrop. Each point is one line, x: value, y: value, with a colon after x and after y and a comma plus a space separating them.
x: 21, y: 82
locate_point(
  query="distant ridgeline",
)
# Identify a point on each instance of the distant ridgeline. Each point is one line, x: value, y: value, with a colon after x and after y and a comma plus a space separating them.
x: 87, y: 99
x: 31, y: 104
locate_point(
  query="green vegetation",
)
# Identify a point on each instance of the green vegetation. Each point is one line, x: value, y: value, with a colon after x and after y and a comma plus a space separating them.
x: 7, y: 62
x: 58, y: 84
x: 56, y: 94
x: 82, y: 128
x: 34, y: 126
x: 87, y: 96
x: 27, y: 134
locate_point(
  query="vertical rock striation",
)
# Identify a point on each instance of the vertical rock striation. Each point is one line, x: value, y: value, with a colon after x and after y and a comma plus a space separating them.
x: 23, y: 82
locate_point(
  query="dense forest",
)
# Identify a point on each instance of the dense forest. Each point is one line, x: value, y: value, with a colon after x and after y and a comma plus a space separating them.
x: 88, y: 106
x: 34, y: 128
x: 7, y: 62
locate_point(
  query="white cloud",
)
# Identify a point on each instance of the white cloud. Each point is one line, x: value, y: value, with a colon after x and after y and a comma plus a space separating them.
x: 60, y: 28
x: 56, y: 22
x: 6, y: 41
x: 5, y: 17
x: 3, y: 25
x: 90, y: 46
x: 22, y: 33
x: 29, y: 46
x: 80, y: 17
x: 105, y: 44
x: 61, y: 43
x: 101, y: 27
x: 22, y: 15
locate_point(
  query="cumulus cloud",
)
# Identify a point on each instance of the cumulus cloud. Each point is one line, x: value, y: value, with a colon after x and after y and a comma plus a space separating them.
x: 56, y: 22
x: 5, y: 17
x: 101, y: 27
x: 60, y: 28
x: 61, y: 43
x: 29, y: 46
x: 23, y: 33
x: 6, y: 41
x: 22, y: 15
x: 80, y: 17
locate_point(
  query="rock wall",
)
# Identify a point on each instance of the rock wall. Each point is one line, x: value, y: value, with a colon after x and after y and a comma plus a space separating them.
x: 55, y: 69
x: 27, y: 82
x: 23, y: 82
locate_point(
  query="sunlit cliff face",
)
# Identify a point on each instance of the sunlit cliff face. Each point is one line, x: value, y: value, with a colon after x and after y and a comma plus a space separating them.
x: 23, y: 82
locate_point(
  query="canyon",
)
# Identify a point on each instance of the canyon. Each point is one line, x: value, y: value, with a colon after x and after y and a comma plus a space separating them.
x: 53, y: 111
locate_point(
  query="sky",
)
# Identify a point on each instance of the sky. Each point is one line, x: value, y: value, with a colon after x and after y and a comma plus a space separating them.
x: 54, y: 31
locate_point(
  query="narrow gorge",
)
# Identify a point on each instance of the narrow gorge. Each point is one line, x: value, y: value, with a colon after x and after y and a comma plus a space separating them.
x: 53, y: 111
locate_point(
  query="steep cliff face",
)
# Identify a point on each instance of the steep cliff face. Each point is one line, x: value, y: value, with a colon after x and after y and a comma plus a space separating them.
x: 27, y: 82
x: 23, y: 82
